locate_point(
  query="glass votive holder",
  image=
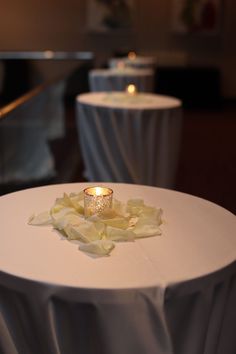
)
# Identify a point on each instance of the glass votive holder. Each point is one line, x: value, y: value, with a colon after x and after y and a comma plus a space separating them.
x: 97, y: 200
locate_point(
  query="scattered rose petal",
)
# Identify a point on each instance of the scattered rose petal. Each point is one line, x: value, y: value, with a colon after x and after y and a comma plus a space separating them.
x: 99, y: 247
x: 116, y: 234
x: 43, y: 218
x: 123, y: 222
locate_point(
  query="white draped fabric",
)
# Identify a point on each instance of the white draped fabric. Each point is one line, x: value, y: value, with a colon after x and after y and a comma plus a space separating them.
x: 169, y: 294
x: 119, y: 79
x: 130, y: 139
x: 24, y: 152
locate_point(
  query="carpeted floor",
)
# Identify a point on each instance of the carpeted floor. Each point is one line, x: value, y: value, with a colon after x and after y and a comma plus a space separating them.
x: 207, y: 165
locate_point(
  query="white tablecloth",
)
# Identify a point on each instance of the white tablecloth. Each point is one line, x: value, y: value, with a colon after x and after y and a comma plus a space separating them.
x: 139, y: 62
x: 169, y: 294
x: 119, y: 79
x: 133, y: 139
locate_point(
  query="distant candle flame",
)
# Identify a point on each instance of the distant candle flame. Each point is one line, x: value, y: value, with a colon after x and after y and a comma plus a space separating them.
x: 131, y: 89
x: 49, y: 54
x: 132, y: 55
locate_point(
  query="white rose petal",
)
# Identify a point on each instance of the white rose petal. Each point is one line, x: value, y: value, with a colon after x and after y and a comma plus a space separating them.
x: 43, y: 218
x: 99, y: 247
x: 62, y: 212
x: 85, y: 232
x: 123, y: 222
x: 120, y: 223
x: 116, y: 234
x: 146, y: 230
x: 61, y: 223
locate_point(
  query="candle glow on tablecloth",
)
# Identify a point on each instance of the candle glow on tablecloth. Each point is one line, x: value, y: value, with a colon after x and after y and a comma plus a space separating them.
x: 120, y: 64
x: 96, y: 200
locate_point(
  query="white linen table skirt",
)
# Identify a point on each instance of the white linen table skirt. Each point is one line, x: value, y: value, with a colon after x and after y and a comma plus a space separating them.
x: 132, y: 142
x: 169, y: 294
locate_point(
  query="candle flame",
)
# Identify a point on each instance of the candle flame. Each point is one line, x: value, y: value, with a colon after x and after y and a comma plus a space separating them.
x: 131, y: 89
x: 98, y: 191
x: 132, y: 55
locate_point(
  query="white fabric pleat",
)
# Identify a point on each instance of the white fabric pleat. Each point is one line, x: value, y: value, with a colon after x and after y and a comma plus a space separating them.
x: 132, y: 146
x: 196, y: 317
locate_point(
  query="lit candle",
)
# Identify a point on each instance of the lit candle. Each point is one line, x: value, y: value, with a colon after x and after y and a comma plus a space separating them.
x: 132, y: 55
x: 97, y: 200
x: 131, y: 89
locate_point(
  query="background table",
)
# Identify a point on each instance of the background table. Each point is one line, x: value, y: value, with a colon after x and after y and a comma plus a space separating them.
x: 172, y: 294
x: 139, y: 62
x: 119, y: 79
x: 133, y: 139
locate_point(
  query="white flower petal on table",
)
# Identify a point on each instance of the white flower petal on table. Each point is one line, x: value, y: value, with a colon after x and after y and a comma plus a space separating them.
x: 116, y: 234
x: 74, y: 202
x: 43, y: 218
x: 61, y: 212
x: 146, y: 230
x: 120, y: 208
x: 69, y: 201
x: 133, y: 221
x: 93, y: 218
x: 137, y: 202
x: 77, y: 196
x: 120, y: 223
x: 56, y: 208
x: 100, y: 228
x: 90, y: 231
x: 151, y: 216
x: 85, y: 232
x: 135, y: 206
x: 73, y: 233
x: 99, y: 247
x: 61, y: 223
